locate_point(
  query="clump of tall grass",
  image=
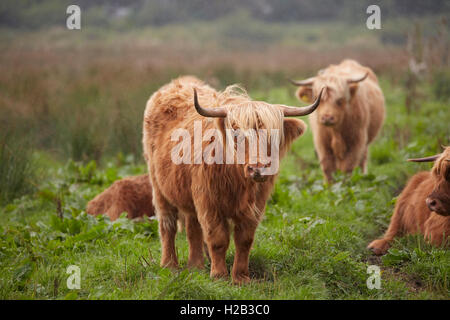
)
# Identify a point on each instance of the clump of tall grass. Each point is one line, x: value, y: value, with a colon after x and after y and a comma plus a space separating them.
x: 17, y: 168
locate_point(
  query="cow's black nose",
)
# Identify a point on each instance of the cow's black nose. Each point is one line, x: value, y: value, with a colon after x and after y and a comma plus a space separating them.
x: 327, y: 119
x: 256, y: 173
x: 431, y: 203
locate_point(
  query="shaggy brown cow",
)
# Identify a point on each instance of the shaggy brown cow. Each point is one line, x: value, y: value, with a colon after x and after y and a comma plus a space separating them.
x: 423, y: 206
x: 349, y: 117
x: 132, y: 195
x: 210, y: 194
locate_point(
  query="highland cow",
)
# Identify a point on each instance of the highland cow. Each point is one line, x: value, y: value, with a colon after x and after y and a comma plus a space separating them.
x: 349, y: 117
x: 210, y: 194
x: 132, y: 195
x: 422, y: 207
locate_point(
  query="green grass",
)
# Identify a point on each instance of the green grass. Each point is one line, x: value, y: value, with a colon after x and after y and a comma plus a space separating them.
x: 17, y: 168
x: 310, y: 245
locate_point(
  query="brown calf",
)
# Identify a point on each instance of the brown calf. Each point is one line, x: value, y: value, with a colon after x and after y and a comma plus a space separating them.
x: 132, y: 195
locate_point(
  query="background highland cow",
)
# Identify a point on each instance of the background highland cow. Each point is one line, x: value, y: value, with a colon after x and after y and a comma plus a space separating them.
x: 349, y: 118
x: 71, y: 112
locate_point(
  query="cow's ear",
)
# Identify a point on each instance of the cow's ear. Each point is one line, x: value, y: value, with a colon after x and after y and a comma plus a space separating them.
x: 293, y: 128
x: 353, y: 88
x: 305, y: 94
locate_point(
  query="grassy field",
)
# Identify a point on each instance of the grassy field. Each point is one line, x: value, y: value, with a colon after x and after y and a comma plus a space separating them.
x: 310, y: 245
x: 71, y: 106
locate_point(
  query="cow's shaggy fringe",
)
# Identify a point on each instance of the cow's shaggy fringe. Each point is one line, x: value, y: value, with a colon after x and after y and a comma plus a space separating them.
x: 246, y: 114
x: 442, y: 165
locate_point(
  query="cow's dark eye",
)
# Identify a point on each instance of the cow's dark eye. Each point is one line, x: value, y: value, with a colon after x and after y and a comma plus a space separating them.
x: 447, y: 174
x: 340, y: 102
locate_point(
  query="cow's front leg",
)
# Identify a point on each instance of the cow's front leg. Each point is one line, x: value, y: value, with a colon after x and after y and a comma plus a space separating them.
x: 347, y: 165
x: 168, y: 232
x: 244, y: 233
x: 167, y: 218
x: 328, y: 164
x: 363, y: 162
x: 381, y: 246
x: 195, y: 238
x: 356, y: 155
x: 352, y: 159
x: 217, y: 236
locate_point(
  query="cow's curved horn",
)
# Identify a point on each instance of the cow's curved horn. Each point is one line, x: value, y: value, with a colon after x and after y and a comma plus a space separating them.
x: 426, y: 159
x: 359, y: 79
x: 303, y: 111
x: 300, y: 83
x: 219, y: 112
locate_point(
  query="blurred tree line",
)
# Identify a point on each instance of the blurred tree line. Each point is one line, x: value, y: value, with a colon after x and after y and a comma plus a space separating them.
x: 30, y: 14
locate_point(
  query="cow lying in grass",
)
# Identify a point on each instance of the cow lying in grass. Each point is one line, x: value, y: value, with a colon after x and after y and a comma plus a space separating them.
x: 132, y: 195
x: 349, y: 117
x: 206, y: 191
x: 422, y: 207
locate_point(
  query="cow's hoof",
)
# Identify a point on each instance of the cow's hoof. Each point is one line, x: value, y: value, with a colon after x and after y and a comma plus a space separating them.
x: 241, y: 279
x: 199, y: 265
x: 219, y: 275
x: 170, y: 265
x: 379, y: 247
